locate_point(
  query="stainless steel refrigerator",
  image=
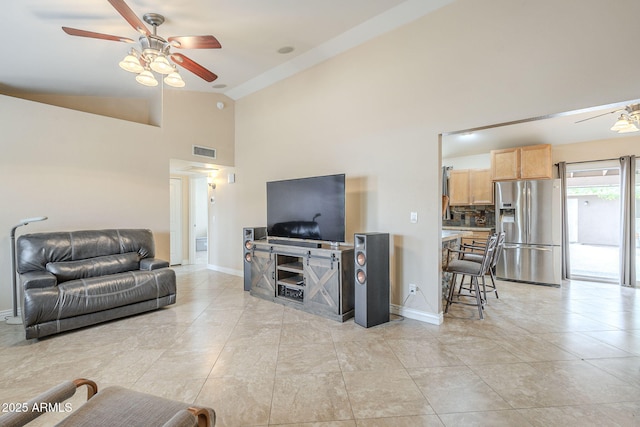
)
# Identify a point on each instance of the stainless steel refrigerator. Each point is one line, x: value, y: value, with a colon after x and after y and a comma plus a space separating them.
x: 529, y: 212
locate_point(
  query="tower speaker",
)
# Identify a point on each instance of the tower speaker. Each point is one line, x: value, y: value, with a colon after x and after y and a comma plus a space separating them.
x: 249, y: 234
x: 371, y: 278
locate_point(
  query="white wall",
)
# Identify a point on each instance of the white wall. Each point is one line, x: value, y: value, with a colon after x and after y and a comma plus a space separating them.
x: 375, y: 113
x: 88, y: 171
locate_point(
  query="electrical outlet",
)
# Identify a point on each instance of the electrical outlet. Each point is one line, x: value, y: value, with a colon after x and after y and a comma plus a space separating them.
x: 412, y: 289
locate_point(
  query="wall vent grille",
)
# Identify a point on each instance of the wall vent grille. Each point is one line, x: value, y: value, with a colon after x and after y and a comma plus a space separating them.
x: 207, y: 152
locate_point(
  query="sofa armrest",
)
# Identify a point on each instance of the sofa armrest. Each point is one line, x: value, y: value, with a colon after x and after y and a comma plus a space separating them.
x: 38, y: 279
x: 152, y: 264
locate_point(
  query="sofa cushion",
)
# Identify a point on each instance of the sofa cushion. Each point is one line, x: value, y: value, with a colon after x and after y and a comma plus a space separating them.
x: 36, y: 250
x: 92, y: 267
x: 94, y: 294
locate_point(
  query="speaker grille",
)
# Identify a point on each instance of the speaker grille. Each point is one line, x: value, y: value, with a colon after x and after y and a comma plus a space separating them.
x: 204, y: 151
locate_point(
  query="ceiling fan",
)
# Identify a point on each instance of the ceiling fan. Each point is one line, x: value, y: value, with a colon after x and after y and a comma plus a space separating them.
x: 155, y: 50
x: 629, y: 120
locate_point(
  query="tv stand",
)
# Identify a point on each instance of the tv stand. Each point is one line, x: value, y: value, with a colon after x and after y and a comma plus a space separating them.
x: 318, y: 280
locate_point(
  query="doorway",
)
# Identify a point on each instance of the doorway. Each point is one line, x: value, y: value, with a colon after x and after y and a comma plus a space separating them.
x: 593, y: 212
x: 189, y: 220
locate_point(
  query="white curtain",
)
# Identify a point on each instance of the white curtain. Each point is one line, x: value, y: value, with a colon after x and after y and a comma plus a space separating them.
x: 566, y: 258
x: 627, y: 221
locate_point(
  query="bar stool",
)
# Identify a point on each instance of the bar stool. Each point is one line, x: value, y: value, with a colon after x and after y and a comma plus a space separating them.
x: 474, y: 270
x: 476, y: 256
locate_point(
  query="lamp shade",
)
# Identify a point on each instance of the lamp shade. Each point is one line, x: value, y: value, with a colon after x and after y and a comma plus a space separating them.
x: 631, y: 127
x: 132, y: 64
x: 161, y: 65
x: 174, y: 80
x: 146, y: 78
x: 621, y: 124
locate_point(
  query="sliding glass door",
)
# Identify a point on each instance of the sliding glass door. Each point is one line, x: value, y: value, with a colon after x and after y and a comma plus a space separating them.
x: 593, y: 210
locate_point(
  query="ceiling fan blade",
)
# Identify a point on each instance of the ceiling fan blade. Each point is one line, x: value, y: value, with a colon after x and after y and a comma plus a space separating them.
x: 130, y: 16
x: 599, y: 115
x: 193, y: 66
x: 91, y: 34
x: 194, y: 42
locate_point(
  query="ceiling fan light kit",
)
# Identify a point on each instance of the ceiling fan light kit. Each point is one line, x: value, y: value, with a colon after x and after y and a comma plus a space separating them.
x: 155, y: 51
x: 629, y: 120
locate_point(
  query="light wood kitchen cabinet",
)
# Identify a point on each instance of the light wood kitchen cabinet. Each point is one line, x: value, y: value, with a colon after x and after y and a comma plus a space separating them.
x: 481, y: 186
x: 459, y: 187
x: 530, y: 162
x: 470, y: 187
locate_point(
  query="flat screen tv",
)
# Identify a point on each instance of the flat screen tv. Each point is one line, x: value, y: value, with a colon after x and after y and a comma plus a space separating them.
x: 307, y: 208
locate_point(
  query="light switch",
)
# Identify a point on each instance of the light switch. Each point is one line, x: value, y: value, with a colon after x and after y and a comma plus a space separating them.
x: 414, y: 217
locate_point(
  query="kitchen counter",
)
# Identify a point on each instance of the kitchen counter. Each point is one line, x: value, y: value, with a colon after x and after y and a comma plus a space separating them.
x: 448, y: 235
x: 463, y: 228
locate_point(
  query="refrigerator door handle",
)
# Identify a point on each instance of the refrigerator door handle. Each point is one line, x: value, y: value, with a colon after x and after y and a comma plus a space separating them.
x: 528, y: 213
x: 533, y: 248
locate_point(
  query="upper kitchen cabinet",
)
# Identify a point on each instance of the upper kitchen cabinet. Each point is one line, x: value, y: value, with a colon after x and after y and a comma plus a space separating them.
x: 470, y: 187
x: 530, y: 162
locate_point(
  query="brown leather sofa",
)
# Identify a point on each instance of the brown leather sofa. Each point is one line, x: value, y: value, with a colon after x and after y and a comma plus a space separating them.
x: 80, y: 278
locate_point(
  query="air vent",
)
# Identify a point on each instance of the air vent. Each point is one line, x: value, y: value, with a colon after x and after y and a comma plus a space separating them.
x: 204, y: 151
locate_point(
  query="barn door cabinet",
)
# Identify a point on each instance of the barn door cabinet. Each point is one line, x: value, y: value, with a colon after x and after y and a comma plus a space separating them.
x: 316, y: 280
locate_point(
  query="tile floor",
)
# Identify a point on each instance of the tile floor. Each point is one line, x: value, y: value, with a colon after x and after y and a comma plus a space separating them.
x: 542, y: 357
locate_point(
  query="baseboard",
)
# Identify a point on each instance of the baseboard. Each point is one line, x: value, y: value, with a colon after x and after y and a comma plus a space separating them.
x: 411, y: 313
x: 225, y: 270
x: 8, y: 313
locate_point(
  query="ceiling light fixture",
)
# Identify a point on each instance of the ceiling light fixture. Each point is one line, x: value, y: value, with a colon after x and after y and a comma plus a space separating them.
x: 154, y: 57
x: 629, y: 120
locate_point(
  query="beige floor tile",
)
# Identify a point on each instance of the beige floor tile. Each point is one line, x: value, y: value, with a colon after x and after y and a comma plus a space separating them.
x: 584, y: 346
x: 304, y: 333
x: 414, y: 421
x: 181, y: 364
x: 307, y: 359
x: 238, y: 401
x: 487, y: 418
x: 617, y: 414
x: 625, y: 368
x: 482, y: 353
x: 401, y: 396
x: 456, y: 389
x: 366, y: 356
x: 423, y: 353
x: 310, y: 398
x: 246, y: 360
x: 529, y: 385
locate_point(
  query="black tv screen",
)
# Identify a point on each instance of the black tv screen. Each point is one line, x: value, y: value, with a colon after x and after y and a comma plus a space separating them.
x: 307, y: 208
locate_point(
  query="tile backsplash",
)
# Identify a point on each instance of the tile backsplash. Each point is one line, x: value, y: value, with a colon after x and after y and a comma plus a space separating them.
x: 471, y: 216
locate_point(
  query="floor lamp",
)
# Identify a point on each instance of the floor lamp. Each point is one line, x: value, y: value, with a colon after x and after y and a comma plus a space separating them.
x: 15, y: 320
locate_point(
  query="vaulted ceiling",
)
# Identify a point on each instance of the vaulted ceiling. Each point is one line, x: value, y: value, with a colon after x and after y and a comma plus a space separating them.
x: 38, y: 57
